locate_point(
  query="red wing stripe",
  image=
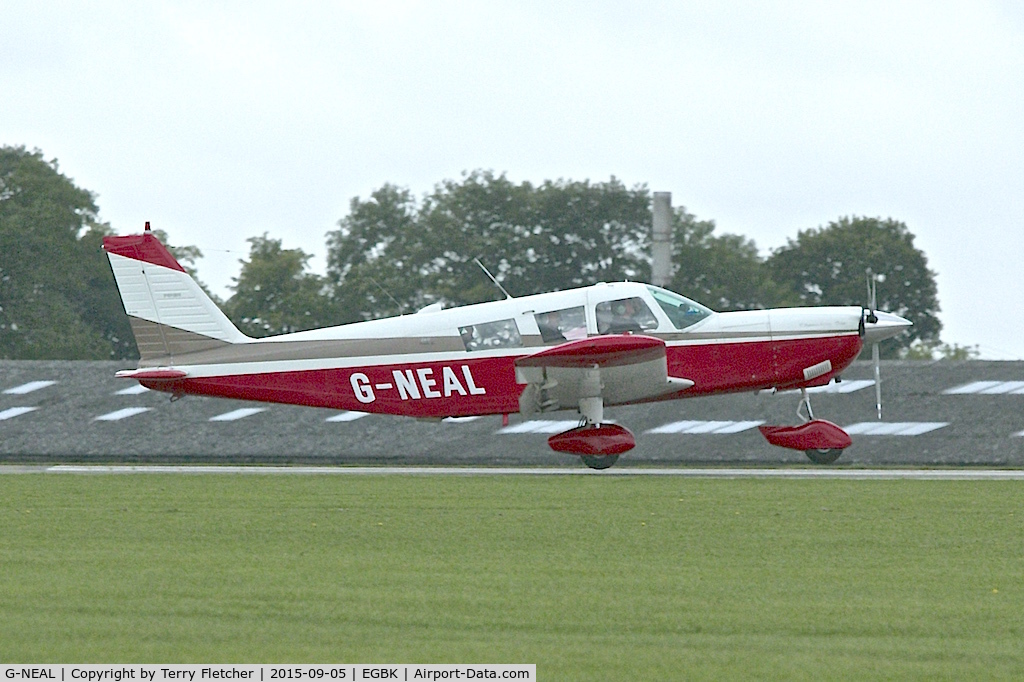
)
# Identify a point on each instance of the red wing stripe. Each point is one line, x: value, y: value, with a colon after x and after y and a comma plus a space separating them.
x: 605, y: 351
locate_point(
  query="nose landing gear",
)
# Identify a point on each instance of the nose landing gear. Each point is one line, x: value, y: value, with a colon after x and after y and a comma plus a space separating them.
x: 821, y: 440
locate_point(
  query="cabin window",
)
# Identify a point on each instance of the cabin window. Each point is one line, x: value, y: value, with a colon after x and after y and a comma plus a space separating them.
x: 487, y: 335
x: 557, y: 326
x: 624, y: 315
x: 681, y: 311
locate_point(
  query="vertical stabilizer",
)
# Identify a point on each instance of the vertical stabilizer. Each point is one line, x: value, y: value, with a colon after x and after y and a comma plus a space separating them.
x: 169, y: 312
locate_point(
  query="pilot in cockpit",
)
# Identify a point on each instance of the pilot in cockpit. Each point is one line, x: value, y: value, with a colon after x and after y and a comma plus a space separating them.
x: 619, y: 317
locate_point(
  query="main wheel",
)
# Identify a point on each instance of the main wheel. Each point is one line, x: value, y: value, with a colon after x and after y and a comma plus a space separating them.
x: 823, y: 456
x: 599, y: 461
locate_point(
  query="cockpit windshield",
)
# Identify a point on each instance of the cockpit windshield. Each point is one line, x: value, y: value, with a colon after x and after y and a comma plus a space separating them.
x: 681, y: 311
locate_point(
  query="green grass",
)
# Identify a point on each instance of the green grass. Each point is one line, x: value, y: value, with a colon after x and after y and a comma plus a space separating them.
x: 588, y: 577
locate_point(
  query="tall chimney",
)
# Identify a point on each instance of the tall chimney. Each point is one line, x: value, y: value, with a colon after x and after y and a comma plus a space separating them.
x: 661, y: 242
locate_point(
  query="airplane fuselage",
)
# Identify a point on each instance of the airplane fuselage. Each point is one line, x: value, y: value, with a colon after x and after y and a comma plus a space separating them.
x: 461, y: 361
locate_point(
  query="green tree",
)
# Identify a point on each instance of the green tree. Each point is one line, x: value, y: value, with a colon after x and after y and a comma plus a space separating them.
x: 828, y: 266
x: 392, y: 253
x: 724, y: 272
x: 370, y: 257
x: 941, y: 351
x: 274, y: 294
x: 557, y: 235
x: 57, y: 296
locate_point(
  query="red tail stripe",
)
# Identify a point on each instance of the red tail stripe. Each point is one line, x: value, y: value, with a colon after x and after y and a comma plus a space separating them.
x: 143, y: 247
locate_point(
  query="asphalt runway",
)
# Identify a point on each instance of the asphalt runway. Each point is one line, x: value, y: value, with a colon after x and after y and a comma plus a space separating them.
x: 938, y: 415
x: 783, y: 472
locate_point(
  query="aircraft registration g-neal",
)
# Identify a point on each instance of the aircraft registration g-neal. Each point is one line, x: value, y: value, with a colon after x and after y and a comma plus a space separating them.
x: 581, y: 349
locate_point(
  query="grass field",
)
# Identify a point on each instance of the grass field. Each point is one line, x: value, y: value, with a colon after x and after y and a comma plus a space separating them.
x: 588, y: 577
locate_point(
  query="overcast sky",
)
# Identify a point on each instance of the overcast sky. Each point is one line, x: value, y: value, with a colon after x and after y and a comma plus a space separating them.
x: 220, y: 121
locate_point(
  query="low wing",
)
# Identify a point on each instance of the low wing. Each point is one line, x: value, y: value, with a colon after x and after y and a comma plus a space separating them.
x: 613, y: 350
x: 620, y: 368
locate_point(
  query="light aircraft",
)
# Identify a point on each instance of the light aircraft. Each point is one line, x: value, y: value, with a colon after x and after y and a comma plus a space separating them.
x: 582, y: 349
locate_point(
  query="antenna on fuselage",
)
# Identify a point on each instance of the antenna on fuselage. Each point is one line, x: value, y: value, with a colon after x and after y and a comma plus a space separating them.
x: 387, y: 293
x: 487, y: 272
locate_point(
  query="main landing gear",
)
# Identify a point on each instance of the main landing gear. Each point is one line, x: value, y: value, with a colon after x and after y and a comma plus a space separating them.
x: 821, y: 440
x: 598, y: 444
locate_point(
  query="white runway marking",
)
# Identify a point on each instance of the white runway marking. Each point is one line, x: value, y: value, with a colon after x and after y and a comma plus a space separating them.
x: 29, y: 387
x: 851, y: 474
x: 893, y: 428
x: 706, y: 427
x: 121, y: 414
x: 235, y: 415
x: 848, y: 386
x: 988, y: 388
x: 12, y: 412
x: 349, y: 416
x: 541, y: 426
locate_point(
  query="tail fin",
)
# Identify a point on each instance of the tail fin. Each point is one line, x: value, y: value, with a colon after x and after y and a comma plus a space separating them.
x: 169, y: 313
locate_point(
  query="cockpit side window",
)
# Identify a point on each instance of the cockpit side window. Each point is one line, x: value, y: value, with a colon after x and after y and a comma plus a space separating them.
x: 557, y: 326
x: 487, y: 335
x: 681, y: 311
x: 624, y: 315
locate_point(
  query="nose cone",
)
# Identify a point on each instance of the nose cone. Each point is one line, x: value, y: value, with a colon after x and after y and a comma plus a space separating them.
x: 887, y: 326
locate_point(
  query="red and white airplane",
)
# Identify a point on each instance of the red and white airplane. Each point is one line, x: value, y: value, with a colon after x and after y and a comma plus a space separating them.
x: 581, y: 349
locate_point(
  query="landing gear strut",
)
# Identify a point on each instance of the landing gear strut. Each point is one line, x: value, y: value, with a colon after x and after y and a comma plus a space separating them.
x: 597, y: 444
x: 591, y: 416
x: 803, y: 408
x: 816, y: 455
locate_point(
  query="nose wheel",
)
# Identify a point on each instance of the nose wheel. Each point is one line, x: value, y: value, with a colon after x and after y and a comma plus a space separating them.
x: 806, y: 413
x: 599, y: 461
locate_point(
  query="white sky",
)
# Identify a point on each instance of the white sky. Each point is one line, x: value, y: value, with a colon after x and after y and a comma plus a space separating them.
x: 221, y: 121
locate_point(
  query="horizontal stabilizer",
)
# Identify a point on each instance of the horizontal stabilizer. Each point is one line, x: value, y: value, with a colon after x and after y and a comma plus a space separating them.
x: 151, y: 374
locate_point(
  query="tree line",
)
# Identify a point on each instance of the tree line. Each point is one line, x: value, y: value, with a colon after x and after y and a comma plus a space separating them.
x: 394, y: 253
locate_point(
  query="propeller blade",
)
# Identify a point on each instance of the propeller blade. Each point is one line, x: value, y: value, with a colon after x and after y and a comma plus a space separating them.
x: 869, y: 312
x: 870, y: 316
x: 878, y: 380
